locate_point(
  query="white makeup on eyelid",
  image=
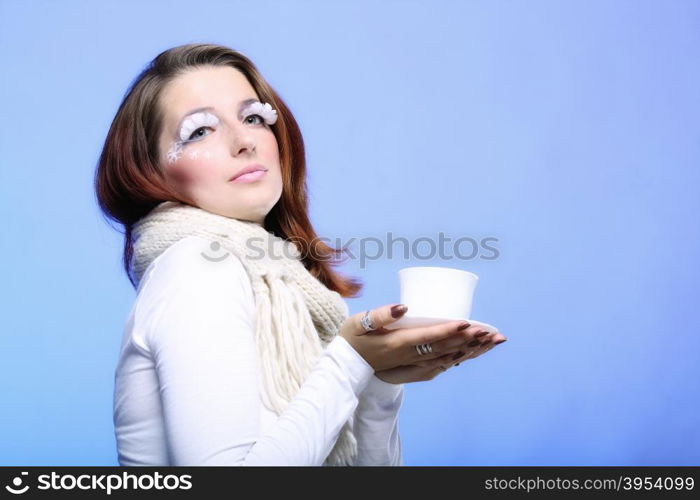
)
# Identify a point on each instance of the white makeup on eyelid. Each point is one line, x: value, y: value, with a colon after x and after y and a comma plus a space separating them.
x: 195, y: 121
x: 264, y: 110
x: 208, y: 119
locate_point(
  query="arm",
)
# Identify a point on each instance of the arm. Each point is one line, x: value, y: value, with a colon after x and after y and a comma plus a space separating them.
x: 377, y: 424
x: 203, y: 345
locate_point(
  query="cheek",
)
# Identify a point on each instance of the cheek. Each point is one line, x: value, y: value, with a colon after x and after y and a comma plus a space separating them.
x: 182, y: 173
x: 271, y: 145
x: 195, y: 166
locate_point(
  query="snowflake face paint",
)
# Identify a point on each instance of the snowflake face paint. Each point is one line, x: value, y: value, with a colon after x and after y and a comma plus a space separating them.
x: 174, y: 152
x: 205, y: 118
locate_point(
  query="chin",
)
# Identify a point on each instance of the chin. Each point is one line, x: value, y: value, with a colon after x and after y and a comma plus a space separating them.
x: 250, y: 205
x: 253, y: 214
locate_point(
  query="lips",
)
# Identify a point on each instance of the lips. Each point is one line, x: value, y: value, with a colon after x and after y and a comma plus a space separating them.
x: 247, y: 170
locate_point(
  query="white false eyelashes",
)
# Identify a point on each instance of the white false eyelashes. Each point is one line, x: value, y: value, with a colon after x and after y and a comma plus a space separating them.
x: 264, y: 110
x: 194, y: 122
x: 207, y: 119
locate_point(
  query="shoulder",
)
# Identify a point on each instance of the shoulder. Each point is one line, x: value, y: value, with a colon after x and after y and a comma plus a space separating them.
x: 195, y: 280
x: 196, y: 261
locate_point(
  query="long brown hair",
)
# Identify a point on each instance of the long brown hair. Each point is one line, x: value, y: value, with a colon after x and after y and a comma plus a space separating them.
x: 129, y: 181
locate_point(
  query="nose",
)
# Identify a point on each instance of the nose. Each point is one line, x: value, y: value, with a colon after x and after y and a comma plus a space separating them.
x: 242, y: 142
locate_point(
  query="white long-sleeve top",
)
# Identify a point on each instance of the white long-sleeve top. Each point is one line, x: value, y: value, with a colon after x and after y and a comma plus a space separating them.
x: 186, y: 382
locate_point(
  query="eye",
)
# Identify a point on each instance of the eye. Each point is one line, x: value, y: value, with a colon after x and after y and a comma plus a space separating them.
x: 195, y: 135
x: 194, y: 124
x: 252, y: 116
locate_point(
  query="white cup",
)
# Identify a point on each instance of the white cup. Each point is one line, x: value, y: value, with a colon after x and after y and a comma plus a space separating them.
x: 437, y: 292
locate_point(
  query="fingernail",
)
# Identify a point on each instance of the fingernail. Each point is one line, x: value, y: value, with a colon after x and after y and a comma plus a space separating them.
x: 500, y: 341
x: 458, y: 355
x: 464, y: 326
x: 481, y: 334
x: 398, y: 310
x: 473, y: 343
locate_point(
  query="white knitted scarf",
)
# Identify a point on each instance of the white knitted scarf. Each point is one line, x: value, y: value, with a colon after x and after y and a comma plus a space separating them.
x: 296, y: 315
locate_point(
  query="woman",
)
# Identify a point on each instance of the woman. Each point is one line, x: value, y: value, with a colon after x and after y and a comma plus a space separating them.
x: 237, y: 354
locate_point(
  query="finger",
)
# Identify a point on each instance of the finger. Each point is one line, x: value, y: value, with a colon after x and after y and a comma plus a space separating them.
x: 409, y: 339
x: 474, y: 344
x: 379, y: 317
x: 494, y: 338
x: 480, y: 333
x: 470, y: 337
x: 436, y: 361
x: 434, y: 333
x: 416, y: 354
x: 477, y: 351
x: 469, y: 354
x: 474, y: 329
x: 499, y: 339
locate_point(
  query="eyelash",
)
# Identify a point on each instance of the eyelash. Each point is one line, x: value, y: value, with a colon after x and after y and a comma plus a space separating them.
x: 190, y: 139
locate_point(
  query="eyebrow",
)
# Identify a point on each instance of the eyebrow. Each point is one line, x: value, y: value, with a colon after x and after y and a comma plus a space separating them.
x: 243, y: 104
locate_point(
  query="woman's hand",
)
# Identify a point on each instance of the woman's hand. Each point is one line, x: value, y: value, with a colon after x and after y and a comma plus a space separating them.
x: 426, y: 370
x: 385, y: 349
x: 482, y: 341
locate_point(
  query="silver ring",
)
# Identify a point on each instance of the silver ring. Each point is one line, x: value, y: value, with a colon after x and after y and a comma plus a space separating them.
x: 424, y: 349
x: 366, y: 322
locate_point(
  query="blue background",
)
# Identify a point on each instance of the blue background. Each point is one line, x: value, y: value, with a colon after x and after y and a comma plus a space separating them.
x: 567, y: 130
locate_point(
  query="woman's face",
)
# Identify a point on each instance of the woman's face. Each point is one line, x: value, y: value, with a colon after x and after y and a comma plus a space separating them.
x: 200, y: 152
